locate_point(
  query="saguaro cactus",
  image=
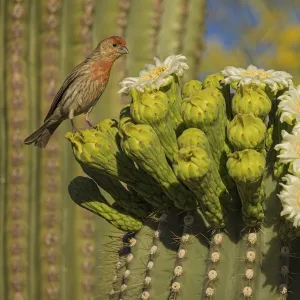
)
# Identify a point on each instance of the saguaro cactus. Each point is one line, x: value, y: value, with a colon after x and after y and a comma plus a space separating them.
x: 49, y: 243
x: 204, y: 238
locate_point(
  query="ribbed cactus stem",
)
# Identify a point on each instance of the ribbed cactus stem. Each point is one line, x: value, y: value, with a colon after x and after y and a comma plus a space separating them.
x: 34, y: 101
x: 16, y: 271
x: 153, y: 109
x: 156, y: 24
x: 3, y: 154
x: 191, y: 256
x: 139, y: 55
x: 170, y: 27
x: 138, y: 260
x: 221, y: 249
x: 111, y: 256
x: 168, y: 231
x: 151, y: 264
x: 115, y: 22
x: 193, y: 44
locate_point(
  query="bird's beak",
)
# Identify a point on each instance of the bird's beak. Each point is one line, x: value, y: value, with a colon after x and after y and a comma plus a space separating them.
x: 123, y: 50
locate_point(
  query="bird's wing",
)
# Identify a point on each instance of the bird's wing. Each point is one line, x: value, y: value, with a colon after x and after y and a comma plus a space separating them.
x: 63, y: 88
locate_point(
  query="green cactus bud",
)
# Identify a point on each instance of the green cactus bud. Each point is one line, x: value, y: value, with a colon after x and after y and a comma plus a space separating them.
x: 251, y: 99
x: 193, y: 137
x: 246, y: 132
x: 125, y: 116
x: 142, y: 145
x: 190, y: 88
x: 213, y: 80
x: 152, y: 109
x: 216, y: 81
x: 206, y: 111
x: 247, y: 169
x: 279, y: 170
x: 85, y: 193
x: 194, y: 167
x: 98, y: 149
x: 173, y: 93
x: 246, y: 166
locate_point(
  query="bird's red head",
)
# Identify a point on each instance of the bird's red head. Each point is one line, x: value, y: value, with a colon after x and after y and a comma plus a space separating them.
x: 113, y: 47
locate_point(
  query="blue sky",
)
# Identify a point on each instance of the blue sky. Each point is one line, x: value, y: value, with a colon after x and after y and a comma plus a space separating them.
x: 225, y: 20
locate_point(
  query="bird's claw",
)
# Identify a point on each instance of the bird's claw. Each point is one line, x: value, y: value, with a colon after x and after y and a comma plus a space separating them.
x: 76, y: 130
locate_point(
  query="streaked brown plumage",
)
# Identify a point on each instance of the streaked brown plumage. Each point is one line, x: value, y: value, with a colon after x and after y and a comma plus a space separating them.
x: 81, y: 90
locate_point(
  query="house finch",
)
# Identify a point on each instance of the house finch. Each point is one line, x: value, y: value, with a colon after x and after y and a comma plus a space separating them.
x: 81, y: 90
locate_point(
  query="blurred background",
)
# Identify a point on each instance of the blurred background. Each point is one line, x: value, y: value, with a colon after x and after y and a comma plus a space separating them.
x: 49, y: 248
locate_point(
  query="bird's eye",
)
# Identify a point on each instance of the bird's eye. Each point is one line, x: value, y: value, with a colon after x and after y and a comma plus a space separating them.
x: 114, y: 45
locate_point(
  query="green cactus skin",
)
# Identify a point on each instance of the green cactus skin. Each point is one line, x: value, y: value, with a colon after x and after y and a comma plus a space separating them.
x: 115, y: 22
x: 170, y: 34
x: 192, y: 46
x: 152, y: 109
x: 253, y: 100
x: 194, y: 167
x: 247, y: 170
x: 85, y: 193
x: 107, y: 158
x: 16, y: 207
x: 142, y: 145
x: 158, y: 249
x: 130, y: 201
x: 246, y: 132
x: 139, y: 20
x: 3, y: 134
x: 193, y: 264
x: 86, y: 272
x: 108, y: 253
x: 181, y: 31
x: 206, y: 111
x: 190, y: 88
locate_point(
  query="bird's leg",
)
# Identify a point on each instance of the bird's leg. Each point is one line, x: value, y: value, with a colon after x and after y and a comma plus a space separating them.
x: 71, y: 117
x: 87, y: 119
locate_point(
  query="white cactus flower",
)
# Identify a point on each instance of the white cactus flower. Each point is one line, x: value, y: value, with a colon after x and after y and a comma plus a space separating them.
x: 290, y: 199
x: 156, y: 76
x: 290, y: 146
x: 290, y: 105
x: 276, y: 80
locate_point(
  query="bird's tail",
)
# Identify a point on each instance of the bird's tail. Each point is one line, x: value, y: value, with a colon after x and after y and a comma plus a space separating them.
x: 42, y: 135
